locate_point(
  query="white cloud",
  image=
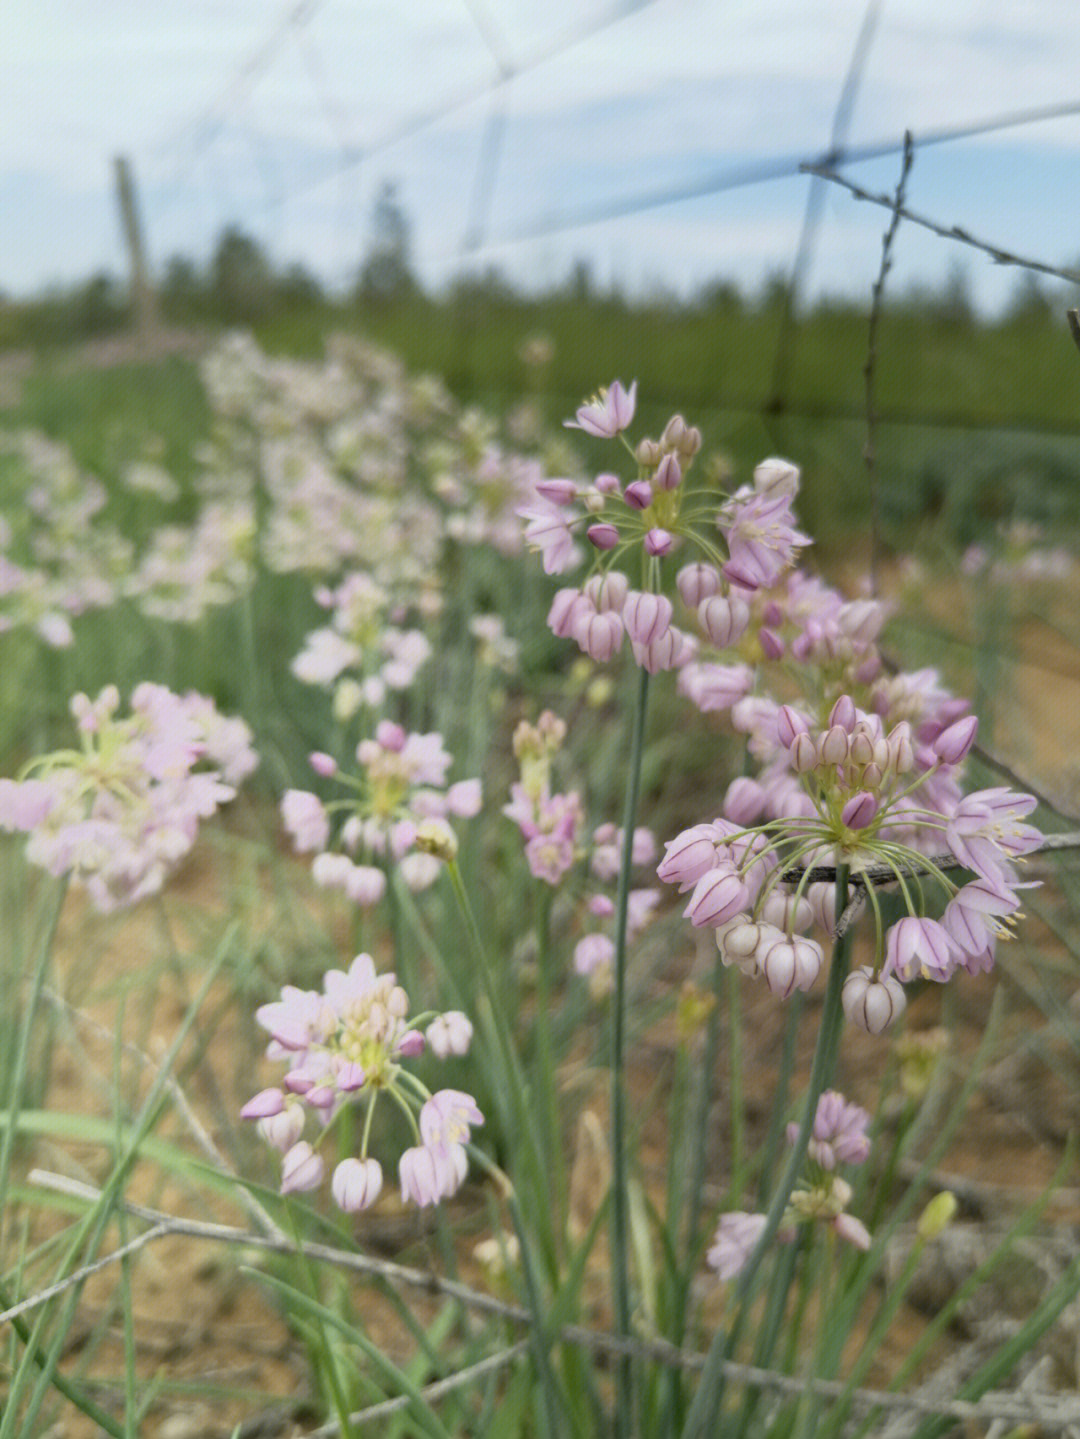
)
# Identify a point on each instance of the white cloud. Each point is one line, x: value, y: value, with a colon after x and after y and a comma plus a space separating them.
x: 233, y: 114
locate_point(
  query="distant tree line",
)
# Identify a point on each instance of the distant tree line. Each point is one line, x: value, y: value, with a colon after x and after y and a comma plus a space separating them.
x: 241, y: 285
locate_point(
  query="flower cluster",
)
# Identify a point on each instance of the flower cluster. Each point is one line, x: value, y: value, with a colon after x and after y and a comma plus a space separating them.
x: 660, y: 513
x: 400, y: 788
x: 344, y: 1045
x: 59, y: 557
x: 553, y: 825
x: 839, y: 1137
x: 849, y: 791
x: 360, y: 653
x: 120, y: 812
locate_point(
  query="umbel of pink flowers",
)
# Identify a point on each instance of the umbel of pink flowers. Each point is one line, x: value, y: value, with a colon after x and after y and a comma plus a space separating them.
x: 553, y: 826
x: 345, y: 1045
x: 728, y: 547
x: 401, y: 783
x: 839, y: 1138
x: 118, y: 813
x: 852, y: 792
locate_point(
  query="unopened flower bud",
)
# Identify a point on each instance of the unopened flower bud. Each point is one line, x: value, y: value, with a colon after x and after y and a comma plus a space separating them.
x: 873, y: 777
x: 872, y: 1004
x: 804, y: 754
x: 860, y: 810
x: 776, y: 477
x: 938, y: 1215
x: 952, y: 745
x: 853, y: 1230
x: 638, y: 495
x: 697, y: 582
x: 608, y: 592
x: 607, y: 484
x: 674, y: 432
x: 646, y: 616
x: 901, y: 750
x: 833, y: 746
x: 603, y: 536
x: 434, y: 836
x: 658, y: 542
x: 718, y: 896
x: 301, y: 1169
x: 559, y: 492
x: 862, y: 747
x: 690, y: 443
x: 772, y: 646
x: 648, y: 454
x: 791, y: 964
x: 449, y: 1034
x: 668, y: 474
x: 724, y: 619
x: 356, y: 1184
x: 843, y: 713
x: 789, y: 724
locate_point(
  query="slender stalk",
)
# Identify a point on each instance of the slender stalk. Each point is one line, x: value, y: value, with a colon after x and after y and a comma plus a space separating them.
x: 704, y: 1413
x: 19, y: 1069
x: 546, y: 1052
x: 620, y: 1272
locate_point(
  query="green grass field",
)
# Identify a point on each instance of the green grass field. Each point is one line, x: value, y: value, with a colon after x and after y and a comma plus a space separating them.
x: 573, y: 1284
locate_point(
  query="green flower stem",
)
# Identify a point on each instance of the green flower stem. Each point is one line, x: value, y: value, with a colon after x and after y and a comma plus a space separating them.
x: 620, y: 1273
x: 546, y: 1050
x: 516, y: 1112
x: 703, y: 1418
x: 20, y: 1061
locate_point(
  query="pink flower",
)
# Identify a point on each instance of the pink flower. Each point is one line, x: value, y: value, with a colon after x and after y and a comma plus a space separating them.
x: 667, y: 651
x: 566, y: 608
x: 697, y: 582
x: 762, y: 538
x: 919, y: 948
x: 449, y: 1034
x: 690, y: 855
x: 872, y: 1004
x: 548, y: 530
x: 599, y: 635
x: 714, y: 687
x: 356, y: 1184
x: 305, y: 819
x: 839, y: 1135
x: 790, y: 964
x: 465, y: 798
x: 448, y: 1118
x: 595, y: 953
x: 301, y: 1169
x: 610, y: 412
x: 430, y: 1174
x: 718, y: 896
x: 603, y: 536
x: 736, y: 1239
x: 985, y: 832
x: 952, y: 745
x: 549, y: 857
x: 647, y: 616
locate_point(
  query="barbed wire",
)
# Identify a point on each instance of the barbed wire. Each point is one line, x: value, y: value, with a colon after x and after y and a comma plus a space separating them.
x: 1017, y: 1408
x: 826, y: 171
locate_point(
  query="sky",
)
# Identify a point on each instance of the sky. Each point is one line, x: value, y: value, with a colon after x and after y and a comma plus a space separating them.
x: 657, y: 140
